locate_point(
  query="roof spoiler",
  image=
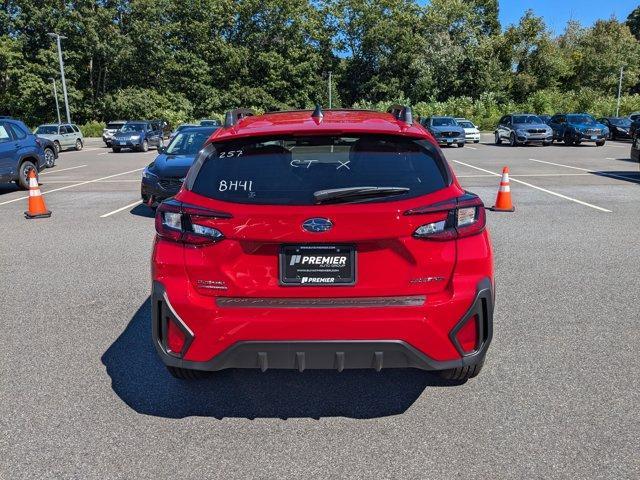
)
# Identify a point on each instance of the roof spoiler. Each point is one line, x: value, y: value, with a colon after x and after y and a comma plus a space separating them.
x: 232, y: 117
x: 402, y: 113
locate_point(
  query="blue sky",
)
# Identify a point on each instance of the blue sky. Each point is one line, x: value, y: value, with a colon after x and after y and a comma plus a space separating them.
x: 556, y: 13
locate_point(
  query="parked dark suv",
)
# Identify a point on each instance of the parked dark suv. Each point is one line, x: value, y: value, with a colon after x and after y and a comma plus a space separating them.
x: 635, y: 146
x: 445, y: 130
x: 576, y: 128
x: 20, y: 152
x: 523, y: 129
x: 138, y: 135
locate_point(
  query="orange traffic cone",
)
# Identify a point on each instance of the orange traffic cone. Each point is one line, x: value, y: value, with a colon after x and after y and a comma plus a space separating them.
x: 503, y: 200
x: 37, y: 208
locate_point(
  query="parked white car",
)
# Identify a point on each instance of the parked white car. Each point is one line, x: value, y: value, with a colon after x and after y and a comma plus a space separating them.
x: 471, y: 132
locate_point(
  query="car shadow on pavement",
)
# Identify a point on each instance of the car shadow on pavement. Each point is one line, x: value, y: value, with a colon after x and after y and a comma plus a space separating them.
x: 143, y: 211
x: 140, y: 379
x: 631, y: 176
x: 10, y: 188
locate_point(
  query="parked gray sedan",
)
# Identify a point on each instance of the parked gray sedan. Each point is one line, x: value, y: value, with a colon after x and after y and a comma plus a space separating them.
x: 64, y: 136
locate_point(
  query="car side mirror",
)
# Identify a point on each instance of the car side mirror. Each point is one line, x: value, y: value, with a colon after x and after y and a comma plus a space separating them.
x: 162, y: 149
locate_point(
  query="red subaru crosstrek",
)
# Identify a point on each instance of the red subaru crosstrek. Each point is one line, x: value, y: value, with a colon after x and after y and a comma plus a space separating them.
x: 322, y: 240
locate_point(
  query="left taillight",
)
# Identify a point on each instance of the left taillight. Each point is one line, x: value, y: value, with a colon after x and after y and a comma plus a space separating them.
x: 187, y: 224
x: 461, y: 217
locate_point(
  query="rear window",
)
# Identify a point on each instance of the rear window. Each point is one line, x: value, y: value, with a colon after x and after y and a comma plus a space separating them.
x: 290, y: 170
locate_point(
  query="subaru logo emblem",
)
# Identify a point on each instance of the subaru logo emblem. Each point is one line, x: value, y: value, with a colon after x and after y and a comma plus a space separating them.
x: 317, y: 225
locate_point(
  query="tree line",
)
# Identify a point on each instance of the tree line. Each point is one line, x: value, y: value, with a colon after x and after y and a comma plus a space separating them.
x: 188, y: 59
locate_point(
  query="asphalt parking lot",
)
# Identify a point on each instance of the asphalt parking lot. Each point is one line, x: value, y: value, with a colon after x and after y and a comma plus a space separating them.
x: 84, y: 396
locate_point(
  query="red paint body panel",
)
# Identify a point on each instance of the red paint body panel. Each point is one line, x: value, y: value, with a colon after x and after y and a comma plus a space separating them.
x: 390, y: 260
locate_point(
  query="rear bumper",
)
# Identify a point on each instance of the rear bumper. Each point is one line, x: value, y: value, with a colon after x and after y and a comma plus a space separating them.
x: 336, y: 354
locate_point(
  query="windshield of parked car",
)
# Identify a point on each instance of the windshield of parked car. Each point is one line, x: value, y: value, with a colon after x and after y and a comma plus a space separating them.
x: 133, y: 127
x: 289, y: 170
x: 47, y: 130
x: 620, y: 122
x: 188, y: 142
x: 443, y: 122
x: 526, y: 119
x: 114, y: 126
x: 466, y: 124
x: 580, y: 119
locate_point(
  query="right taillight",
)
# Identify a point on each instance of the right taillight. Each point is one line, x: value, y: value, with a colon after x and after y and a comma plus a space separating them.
x: 462, y: 217
x: 187, y: 224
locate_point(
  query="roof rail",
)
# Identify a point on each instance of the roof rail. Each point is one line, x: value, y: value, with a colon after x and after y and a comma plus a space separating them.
x: 402, y: 113
x: 232, y: 117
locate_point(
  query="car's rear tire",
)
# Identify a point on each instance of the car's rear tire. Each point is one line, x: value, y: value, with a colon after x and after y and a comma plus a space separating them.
x: 56, y: 145
x: 461, y: 374
x: 79, y: 144
x: 23, y: 174
x: 600, y: 144
x: 49, y: 157
x: 187, y: 374
x: 498, y: 140
x: 116, y: 149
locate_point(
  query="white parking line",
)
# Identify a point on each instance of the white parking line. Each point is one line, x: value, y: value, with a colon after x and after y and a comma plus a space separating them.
x: 597, y: 172
x: 538, y: 188
x: 131, y: 181
x: 531, y: 175
x: 104, y: 153
x: 121, y: 209
x: 472, y: 148
x: 60, y: 170
x: 80, y: 151
x: 75, y: 185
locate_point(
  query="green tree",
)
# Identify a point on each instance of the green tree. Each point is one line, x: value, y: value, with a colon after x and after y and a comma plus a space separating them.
x: 633, y: 22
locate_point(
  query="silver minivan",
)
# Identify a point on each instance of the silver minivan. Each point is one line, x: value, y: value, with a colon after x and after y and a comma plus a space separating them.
x: 64, y: 136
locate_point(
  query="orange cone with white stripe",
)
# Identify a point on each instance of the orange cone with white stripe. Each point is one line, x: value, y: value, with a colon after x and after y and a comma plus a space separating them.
x: 37, y: 208
x: 503, y: 200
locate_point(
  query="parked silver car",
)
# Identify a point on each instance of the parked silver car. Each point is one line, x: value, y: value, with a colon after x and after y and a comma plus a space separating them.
x: 110, y: 130
x: 64, y: 136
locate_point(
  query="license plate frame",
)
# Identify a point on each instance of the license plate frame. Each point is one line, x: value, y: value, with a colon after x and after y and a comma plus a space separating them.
x: 292, y: 272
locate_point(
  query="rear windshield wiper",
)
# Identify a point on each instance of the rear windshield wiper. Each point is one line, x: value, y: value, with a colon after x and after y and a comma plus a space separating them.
x: 335, y: 195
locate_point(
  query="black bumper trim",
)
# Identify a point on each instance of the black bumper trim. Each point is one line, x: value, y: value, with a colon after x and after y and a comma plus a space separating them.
x: 330, y: 354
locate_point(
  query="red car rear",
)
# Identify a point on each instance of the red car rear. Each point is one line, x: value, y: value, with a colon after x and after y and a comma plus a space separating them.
x: 332, y: 240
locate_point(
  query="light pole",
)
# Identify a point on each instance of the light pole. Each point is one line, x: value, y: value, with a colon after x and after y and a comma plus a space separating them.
x: 329, y: 89
x: 55, y: 95
x: 619, y: 91
x: 64, y: 83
